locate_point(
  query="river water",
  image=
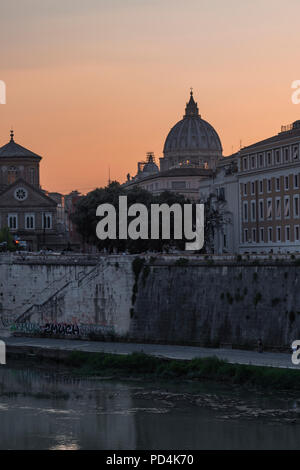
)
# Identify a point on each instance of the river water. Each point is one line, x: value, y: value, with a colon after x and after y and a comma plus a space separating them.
x: 44, y: 409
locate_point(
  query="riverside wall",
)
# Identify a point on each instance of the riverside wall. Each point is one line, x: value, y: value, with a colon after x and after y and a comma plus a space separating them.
x: 167, y: 299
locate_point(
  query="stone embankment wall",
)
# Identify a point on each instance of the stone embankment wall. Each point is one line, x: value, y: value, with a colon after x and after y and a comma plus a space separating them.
x: 154, y: 299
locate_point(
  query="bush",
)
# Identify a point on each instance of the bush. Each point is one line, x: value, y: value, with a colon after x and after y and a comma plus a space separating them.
x: 210, y: 368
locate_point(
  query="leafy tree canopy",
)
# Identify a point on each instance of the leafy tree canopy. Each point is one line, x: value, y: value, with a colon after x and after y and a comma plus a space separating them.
x: 86, y: 220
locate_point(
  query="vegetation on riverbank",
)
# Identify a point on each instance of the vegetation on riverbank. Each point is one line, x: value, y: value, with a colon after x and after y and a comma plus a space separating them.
x: 211, y: 368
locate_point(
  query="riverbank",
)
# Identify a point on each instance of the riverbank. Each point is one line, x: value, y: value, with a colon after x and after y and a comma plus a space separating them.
x: 209, y: 368
x: 60, y: 348
x: 142, y: 366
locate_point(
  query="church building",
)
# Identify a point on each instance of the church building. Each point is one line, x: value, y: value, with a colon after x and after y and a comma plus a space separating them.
x: 191, y: 152
x: 25, y: 209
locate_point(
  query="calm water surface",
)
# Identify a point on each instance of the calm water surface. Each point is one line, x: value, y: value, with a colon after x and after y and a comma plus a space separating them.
x: 51, y: 410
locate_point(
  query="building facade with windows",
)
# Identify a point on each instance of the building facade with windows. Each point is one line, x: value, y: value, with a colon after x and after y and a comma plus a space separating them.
x: 262, y: 195
x: 269, y: 193
x: 25, y: 208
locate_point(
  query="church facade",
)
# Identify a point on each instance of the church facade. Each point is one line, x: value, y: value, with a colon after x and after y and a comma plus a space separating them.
x: 25, y: 208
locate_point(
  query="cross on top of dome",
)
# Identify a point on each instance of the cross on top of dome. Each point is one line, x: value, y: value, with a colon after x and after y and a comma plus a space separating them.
x: 191, y: 107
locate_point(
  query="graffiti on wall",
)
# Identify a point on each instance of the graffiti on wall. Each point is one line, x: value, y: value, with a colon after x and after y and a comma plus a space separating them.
x: 63, y: 329
x: 5, y: 320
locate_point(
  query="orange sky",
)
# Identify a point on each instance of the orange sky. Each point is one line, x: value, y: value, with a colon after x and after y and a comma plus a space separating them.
x: 99, y: 83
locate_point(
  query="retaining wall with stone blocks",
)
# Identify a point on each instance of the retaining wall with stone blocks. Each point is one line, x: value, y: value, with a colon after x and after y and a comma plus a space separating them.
x: 205, y: 302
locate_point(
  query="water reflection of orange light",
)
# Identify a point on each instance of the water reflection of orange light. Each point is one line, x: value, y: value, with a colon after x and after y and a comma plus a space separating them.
x: 66, y: 446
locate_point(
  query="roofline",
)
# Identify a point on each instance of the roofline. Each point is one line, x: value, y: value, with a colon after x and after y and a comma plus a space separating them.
x: 165, y: 174
x: 33, y: 188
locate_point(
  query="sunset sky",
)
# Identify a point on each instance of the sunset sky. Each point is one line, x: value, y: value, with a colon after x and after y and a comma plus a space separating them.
x: 98, y: 83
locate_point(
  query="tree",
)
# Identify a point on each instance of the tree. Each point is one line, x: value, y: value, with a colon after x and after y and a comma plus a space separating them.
x: 6, y: 239
x: 215, y: 219
x: 85, y: 219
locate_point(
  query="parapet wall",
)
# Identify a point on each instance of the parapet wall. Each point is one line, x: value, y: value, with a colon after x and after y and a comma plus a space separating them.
x: 161, y: 299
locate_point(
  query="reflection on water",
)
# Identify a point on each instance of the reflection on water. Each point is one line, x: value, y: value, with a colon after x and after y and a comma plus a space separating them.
x: 44, y: 410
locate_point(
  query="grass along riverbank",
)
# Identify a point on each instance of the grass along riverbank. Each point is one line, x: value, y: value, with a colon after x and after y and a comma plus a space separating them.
x: 211, y: 368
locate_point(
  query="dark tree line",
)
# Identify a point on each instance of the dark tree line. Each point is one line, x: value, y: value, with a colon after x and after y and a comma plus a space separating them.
x: 85, y: 219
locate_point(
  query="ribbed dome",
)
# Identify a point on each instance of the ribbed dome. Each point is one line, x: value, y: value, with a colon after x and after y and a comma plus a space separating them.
x: 192, y: 133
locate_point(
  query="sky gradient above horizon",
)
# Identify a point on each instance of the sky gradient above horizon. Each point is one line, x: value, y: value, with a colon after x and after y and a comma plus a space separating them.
x: 97, y: 84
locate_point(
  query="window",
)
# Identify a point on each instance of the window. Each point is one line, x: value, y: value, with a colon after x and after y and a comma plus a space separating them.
x: 287, y: 233
x: 29, y: 221
x: 286, y: 183
x: 278, y: 231
x: 20, y: 194
x: 277, y: 156
x: 295, y: 152
x: 252, y: 188
x: 32, y: 175
x: 245, y: 235
x: 270, y: 234
x: 47, y: 221
x: 278, y: 208
x: 287, y: 207
x: 254, y: 235
x: 277, y: 184
x: 261, y: 209
x: 253, y: 162
x: 253, y: 211
x: 12, y: 175
x: 269, y: 185
x: 245, y: 211
x: 245, y: 189
x: 269, y: 157
x: 261, y: 186
x: 261, y: 231
x: 296, y: 181
x: 12, y: 221
x: 261, y: 160
x: 296, y: 205
x: 269, y: 209
x: 286, y: 155
x: 296, y: 233
x: 245, y: 164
